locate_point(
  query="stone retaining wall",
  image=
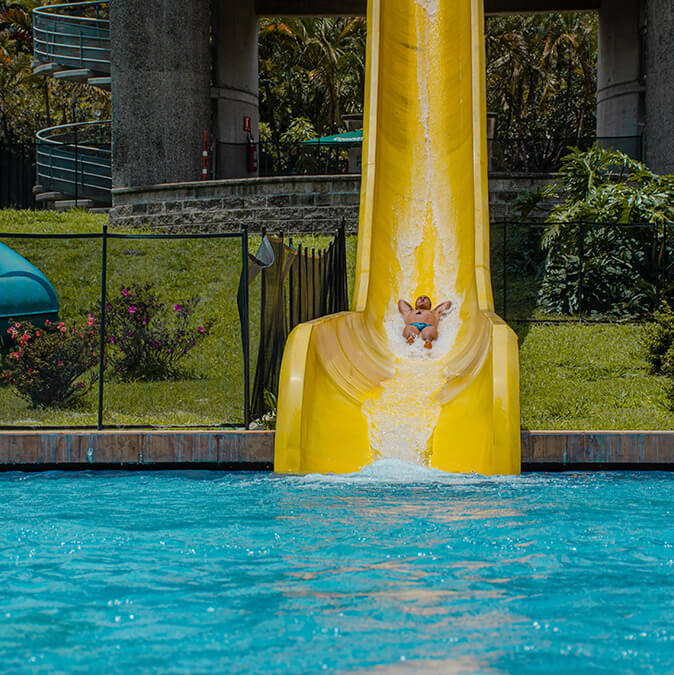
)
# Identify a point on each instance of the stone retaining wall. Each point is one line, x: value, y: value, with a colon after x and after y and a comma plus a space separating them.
x: 296, y: 204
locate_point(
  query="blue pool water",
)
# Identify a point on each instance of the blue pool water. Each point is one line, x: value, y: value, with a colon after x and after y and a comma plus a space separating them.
x: 395, y: 570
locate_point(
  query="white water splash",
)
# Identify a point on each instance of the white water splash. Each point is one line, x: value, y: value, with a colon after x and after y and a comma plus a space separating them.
x: 401, y: 419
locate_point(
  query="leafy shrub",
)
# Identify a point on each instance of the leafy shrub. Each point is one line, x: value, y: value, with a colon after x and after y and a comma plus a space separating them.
x: 268, y: 419
x: 52, y: 365
x: 149, y: 338
x: 658, y: 340
x: 608, y: 267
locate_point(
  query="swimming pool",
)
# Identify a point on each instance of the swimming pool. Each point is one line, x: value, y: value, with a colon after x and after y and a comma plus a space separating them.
x: 396, y: 569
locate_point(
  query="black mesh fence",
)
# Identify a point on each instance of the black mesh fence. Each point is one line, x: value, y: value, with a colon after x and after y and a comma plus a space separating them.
x: 17, y: 171
x: 588, y: 271
x: 156, y: 312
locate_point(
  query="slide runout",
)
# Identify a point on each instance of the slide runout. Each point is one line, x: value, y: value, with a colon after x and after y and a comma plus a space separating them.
x: 352, y: 390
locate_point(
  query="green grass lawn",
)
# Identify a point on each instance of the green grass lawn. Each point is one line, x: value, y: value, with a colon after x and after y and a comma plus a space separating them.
x: 572, y: 376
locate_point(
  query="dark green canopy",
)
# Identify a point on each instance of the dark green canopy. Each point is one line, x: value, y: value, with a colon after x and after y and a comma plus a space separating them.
x: 344, y: 140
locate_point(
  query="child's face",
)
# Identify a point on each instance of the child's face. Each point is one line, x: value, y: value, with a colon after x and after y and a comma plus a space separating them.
x: 422, y: 302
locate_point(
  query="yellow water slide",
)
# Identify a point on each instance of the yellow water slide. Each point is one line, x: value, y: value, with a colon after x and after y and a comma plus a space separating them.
x: 352, y: 390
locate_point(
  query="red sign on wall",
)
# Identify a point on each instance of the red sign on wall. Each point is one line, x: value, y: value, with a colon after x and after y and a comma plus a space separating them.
x: 246, y: 123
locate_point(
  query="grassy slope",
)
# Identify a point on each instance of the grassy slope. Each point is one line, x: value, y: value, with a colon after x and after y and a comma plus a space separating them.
x: 572, y: 376
x: 180, y: 269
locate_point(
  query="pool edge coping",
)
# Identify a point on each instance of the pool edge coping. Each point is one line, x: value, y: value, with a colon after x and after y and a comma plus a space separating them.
x: 235, y: 450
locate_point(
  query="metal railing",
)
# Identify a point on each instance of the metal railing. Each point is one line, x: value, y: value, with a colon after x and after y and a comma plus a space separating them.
x: 76, y: 160
x: 543, y: 154
x: 104, y: 236
x: 73, y: 35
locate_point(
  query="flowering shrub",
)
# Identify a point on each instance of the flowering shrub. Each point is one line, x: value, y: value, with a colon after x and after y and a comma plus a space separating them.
x: 149, y: 337
x: 53, y: 365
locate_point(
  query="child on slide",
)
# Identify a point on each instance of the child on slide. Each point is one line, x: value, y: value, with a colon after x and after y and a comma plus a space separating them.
x: 422, y: 320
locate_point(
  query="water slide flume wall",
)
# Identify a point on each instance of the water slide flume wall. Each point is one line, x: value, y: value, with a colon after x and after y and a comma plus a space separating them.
x: 352, y: 390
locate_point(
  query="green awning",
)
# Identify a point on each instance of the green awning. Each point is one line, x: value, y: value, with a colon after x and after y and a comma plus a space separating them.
x: 344, y: 140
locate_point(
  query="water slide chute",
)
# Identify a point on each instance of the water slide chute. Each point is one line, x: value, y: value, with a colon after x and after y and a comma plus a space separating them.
x: 351, y: 389
x: 25, y: 292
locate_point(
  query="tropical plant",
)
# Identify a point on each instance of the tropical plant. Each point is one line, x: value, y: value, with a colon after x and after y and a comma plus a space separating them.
x: 147, y: 337
x: 52, y: 365
x: 604, y: 241
x: 30, y: 102
x: 541, y: 83
x: 311, y: 68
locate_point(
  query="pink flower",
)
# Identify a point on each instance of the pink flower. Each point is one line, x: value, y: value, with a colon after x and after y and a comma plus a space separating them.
x: 14, y: 355
x: 177, y: 308
x: 132, y: 309
x: 79, y: 384
x: 125, y: 292
x: 90, y: 321
x: 47, y: 322
x: 112, y: 340
x: 59, y: 363
x: 37, y: 333
x: 200, y: 329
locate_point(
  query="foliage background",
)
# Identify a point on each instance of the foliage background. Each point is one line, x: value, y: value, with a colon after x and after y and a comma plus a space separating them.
x: 541, y: 80
x: 31, y: 102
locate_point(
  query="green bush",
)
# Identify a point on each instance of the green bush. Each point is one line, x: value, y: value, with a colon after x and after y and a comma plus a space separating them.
x: 147, y: 337
x: 658, y: 339
x: 52, y: 365
x: 609, y: 268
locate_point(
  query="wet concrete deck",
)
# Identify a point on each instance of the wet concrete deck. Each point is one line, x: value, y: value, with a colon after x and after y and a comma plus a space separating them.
x: 254, y: 450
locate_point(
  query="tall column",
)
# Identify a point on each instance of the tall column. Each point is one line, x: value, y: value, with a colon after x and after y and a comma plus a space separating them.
x: 160, y: 90
x: 619, y: 74
x: 235, y: 85
x: 659, y: 86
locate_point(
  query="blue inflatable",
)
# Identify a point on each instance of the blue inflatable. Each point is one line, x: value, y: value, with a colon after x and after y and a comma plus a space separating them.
x: 25, y: 293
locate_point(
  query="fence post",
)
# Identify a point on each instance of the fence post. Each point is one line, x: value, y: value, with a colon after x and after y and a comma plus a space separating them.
x: 246, y: 327
x: 291, y: 289
x: 505, y: 270
x: 101, y: 341
x: 299, y: 283
x: 263, y: 304
x: 581, y: 255
x: 657, y: 265
x: 76, y: 170
x: 313, y: 283
x: 665, y: 266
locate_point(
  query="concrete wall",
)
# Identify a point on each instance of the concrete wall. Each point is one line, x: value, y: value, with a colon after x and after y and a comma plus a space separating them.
x: 620, y: 88
x: 160, y: 89
x: 660, y: 85
x: 235, y: 84
x: 359, y: 7
x: 293, y: 204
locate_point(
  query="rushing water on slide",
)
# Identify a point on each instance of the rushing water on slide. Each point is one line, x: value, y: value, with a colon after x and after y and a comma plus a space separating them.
x: 398, y: 568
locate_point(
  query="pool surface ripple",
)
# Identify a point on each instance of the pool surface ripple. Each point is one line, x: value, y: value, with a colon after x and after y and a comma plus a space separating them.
x: 397, y: 569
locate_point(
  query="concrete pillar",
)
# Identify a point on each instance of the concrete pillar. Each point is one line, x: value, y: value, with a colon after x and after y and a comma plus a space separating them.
x: 235, y: 85
x: 659, y: 86
x: 620, y: 87
x: 160, y: 90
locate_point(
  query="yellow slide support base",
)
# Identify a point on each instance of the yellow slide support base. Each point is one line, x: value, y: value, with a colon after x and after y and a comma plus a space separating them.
x: 352, y: 390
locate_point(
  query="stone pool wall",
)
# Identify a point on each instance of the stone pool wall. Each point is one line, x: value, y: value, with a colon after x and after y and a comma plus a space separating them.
x: 246, y: 450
